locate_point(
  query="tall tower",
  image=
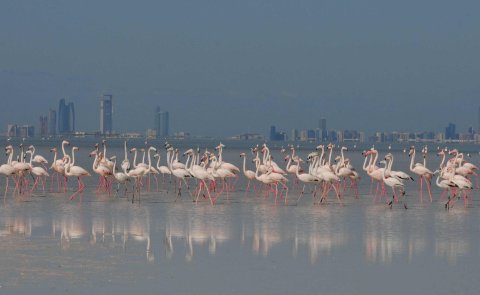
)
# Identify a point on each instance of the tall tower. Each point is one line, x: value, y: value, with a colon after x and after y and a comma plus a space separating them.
x: 43, y: 126
x: 66, y: 117
x: 106, y: 114
x: 52, y: 122
x: 322, y: 124
x: 161, y: 123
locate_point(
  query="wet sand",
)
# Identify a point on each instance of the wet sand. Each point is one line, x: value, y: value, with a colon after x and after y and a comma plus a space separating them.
x: 244, y: 245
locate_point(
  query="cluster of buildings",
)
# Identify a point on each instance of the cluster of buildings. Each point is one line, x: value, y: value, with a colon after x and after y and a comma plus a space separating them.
x: 319, y: 134
x: 51, y: 125
x: 61, y: 122
x: 322, y: 134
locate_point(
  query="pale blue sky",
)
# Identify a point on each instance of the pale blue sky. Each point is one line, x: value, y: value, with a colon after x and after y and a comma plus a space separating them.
x: 224, y: 67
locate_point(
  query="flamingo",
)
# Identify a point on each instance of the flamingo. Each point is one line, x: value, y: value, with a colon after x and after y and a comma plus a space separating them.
x: 222, y: 173
x: 249, y: 174
x: 37, y: 158
x: 140, y: 171
x: 121, y: 176
x: 423, y: 173
x: 75, y: 171
x: 39, y: 173
x: 304, y: 177
x: 393, y: 183
x: 125, y: 162
x: 7, y: 169
x: 200, y: 172
x: 162, y: 169
x: 21, y: 170
x: 180, y: 173
x: 445, y: 185
x: 400, y: 175
x: 264, y: 178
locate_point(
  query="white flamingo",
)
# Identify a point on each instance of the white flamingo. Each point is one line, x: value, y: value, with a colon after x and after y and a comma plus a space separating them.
x: 75, y: 171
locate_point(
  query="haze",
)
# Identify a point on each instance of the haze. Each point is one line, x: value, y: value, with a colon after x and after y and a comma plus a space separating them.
x: 227, y: 67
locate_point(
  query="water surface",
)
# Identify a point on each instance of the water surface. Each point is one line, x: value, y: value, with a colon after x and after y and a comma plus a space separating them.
x: 246, y: 244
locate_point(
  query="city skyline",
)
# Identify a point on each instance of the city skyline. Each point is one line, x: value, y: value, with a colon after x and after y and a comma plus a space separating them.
x: 242, y: 67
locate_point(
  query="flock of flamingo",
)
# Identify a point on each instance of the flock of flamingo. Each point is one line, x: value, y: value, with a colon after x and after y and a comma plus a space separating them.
x: 213, y: 176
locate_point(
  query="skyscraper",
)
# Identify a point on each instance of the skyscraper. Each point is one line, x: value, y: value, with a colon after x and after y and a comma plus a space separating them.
x: 43, y: 126
x: 52, y: 122
x: 450, y: 131
x: 162, y: 122
x: 322, y: 124
x: 106, y: 114
x: 66, y: 117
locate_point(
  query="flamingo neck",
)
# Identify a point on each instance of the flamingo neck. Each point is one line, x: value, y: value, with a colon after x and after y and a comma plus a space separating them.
x: 375, y: 159
x: 412, y: 160
x: 135, y: 159
x: 244, y: 163
x: 73, y: 156
x: 443, y: 160
x: 364, y: 167
x: 63, y: 149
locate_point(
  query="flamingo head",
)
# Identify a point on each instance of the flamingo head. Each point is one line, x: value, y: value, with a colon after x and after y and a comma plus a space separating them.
x: 412, y: 150
x: 453, y: 152
x: 66, y: 142
x: 242, y: 155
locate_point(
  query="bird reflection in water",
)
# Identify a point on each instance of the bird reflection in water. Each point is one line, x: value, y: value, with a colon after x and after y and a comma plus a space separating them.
x: 197, y: 228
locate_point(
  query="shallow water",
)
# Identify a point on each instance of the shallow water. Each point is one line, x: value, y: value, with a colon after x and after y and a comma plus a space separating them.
x: 244, y: 245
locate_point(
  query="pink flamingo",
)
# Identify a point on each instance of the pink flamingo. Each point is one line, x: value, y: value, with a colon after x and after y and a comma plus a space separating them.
x: 75, y: 171
x: 423, y: 173
x: 249, y: 174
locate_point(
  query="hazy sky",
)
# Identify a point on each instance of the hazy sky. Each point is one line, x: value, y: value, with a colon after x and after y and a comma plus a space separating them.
x: 224, y: 67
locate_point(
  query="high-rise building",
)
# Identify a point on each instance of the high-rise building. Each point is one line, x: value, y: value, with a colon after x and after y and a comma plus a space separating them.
x: 12, y: 130
x: 66, y: 117
x: 277, y: 136
x: 295, y: 135
x: 43, y: 126
x: 450, y: 131
x: 322, y: 124
x: 106, y: 114
x: 162, y: 122
x: 52, y: 122
x: 26, y: 131
x: 273, y: 133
